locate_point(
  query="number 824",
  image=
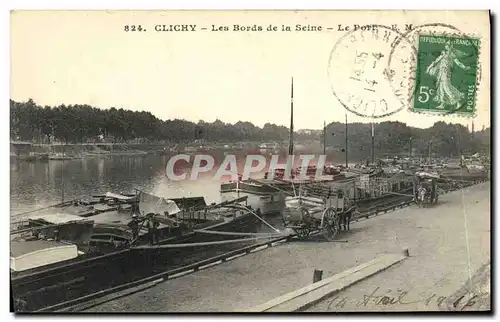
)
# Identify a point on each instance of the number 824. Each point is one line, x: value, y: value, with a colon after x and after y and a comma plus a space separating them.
x: 133, y: 28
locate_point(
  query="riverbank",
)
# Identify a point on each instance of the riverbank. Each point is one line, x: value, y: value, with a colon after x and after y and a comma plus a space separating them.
x: 441, y: 260
x: 85, y: 149
x: 22, y: 150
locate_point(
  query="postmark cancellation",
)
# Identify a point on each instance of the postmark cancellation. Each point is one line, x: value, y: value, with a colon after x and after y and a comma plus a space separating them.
x: 358, y: 72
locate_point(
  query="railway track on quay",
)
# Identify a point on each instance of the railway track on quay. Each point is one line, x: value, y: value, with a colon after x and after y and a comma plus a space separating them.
x: 83, y: 300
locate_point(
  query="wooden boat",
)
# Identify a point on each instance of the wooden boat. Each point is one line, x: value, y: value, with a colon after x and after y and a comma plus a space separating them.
x: 366, y: 190
x: 58, y: 256
x: 261, y: 195
x: 59, y: 156
x: 32, y: 157
x: 268, y: 195
x: 310, y: 171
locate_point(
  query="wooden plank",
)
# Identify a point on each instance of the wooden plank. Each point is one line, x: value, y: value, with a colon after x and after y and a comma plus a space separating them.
x: 313, y: 293
x: 311, y: 298
x: 287, y: 297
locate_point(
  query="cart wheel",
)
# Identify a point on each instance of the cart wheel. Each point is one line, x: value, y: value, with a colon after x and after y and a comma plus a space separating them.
x: 330, y: 223
x: 302, y: 233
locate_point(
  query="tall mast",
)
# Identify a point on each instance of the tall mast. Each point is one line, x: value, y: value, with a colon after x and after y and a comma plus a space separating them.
x: 290, y: 144
x: 324, y: 137
x: 346, y: 159
x: 62, y: 174
x: 373, y: 142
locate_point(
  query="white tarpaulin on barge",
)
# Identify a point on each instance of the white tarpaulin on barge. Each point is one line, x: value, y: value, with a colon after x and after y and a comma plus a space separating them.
x: 152, y: 204
x: 111, y: 195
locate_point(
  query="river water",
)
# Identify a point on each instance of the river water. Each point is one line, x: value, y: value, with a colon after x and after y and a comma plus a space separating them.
x: 39, y: 184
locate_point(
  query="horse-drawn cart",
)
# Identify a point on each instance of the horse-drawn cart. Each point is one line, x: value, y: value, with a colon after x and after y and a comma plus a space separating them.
x: 426, y: 190
x: 305, y: 214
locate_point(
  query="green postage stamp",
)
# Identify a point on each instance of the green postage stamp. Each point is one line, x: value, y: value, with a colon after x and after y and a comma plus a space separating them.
x: 446, y: 80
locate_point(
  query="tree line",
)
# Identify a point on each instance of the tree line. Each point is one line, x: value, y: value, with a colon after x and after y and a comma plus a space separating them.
x: 84, y: 123
x: 442, y: 138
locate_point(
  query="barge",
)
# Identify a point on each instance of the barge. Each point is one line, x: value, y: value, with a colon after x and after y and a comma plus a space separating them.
x: 266, y: 195
x: 58, y: 256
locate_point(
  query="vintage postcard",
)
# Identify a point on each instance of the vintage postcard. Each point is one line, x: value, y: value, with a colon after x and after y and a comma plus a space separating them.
x: 250, y: 161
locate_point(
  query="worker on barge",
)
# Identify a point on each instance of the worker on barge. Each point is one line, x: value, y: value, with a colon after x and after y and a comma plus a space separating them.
x: 152, y: 226
x: 134, y: 226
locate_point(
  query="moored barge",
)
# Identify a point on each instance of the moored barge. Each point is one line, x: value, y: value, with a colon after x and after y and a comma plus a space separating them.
x: 59, y: 256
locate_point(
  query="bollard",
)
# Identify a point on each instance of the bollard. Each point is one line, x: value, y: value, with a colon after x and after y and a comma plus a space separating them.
x: 406, y: 252
x: 318, y: 276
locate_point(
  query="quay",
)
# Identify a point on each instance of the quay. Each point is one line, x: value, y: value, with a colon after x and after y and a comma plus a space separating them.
x: 447, y: 244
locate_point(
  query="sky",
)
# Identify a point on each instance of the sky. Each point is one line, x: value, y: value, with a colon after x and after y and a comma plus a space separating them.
x: 86, y: 57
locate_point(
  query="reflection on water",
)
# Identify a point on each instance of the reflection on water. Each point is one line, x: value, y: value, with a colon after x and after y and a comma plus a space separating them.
x: 38, y: 184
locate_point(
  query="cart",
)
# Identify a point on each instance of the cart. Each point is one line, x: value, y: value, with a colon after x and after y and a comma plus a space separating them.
x: 426, y: 192
x: 304, y: 214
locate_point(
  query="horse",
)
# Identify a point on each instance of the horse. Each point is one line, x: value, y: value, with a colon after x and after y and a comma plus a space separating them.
x: 345, y: 218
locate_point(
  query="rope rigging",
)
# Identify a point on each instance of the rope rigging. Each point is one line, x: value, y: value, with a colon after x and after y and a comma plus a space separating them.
x: 221, y: 242
x: 44, y: 208
x: 226, y: 233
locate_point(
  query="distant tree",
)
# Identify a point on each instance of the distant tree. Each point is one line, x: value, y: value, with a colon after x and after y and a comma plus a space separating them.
x: 82, y: 123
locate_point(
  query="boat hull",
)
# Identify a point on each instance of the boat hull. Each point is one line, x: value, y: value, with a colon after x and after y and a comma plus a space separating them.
x: 90, y: 273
